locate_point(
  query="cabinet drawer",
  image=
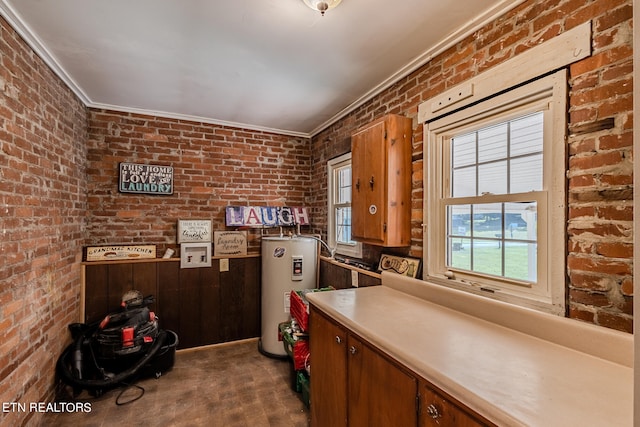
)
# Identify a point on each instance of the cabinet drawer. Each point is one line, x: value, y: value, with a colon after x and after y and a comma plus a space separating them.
x: 438, y: 411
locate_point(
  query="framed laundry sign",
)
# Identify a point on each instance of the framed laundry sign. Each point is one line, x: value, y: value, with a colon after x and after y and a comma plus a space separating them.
x: 145, y: 179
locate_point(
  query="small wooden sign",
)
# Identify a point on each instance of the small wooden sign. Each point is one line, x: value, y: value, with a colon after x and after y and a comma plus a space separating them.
x: 194, y: 230
x: 230, y: 243
x: 119, y: 252
x: 401, y: 265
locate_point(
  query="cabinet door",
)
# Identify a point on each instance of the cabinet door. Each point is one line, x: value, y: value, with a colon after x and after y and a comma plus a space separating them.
x: 380, y: 393
x: 328, y: 394
x: 438, y: 411
x: 369, y: 167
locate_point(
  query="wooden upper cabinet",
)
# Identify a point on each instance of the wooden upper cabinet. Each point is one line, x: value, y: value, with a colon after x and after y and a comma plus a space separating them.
x: 381, y: 182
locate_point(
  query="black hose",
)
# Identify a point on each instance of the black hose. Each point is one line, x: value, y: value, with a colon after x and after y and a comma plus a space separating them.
x: 68, y: 376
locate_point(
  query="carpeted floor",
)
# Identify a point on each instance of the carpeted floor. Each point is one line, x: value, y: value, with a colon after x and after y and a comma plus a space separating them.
x: 229, y: 384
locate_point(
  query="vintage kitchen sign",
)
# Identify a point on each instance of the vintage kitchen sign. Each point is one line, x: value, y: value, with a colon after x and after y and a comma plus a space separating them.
x: 120, y: 252
x: 145, y: 179
x: 401, y: 265
x: 194, y: 230
x: 230, y: 243
x: 266, y: 216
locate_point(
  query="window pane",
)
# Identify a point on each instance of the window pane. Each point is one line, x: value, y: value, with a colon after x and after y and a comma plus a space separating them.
x: 463, y: 150
x: 459, y: 220
x: 487, y: 257
x: 492, y: 143
x: 526, y: 174
x: 463, y: 182
x: 487, y: 220
x: 343, y: 226
x: 343, y: 185
x: 492, y: 178
x: 521, y: 221
x: 520, y: 261
x: 459, y: 253
x: 527, y: 135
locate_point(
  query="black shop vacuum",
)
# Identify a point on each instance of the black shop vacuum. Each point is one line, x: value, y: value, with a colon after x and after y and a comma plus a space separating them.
x: 124, y: 347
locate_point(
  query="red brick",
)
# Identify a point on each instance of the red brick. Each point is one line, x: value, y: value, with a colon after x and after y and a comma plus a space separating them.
x: 596, y: 160
x: 599, y: 265
x: 617, y: 321
x: 615, y: 250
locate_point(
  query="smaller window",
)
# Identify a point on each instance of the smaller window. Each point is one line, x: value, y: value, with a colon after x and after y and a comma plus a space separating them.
x: 339, y: 198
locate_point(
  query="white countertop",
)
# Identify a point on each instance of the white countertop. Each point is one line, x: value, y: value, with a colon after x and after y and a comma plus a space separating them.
x: 510, y: 377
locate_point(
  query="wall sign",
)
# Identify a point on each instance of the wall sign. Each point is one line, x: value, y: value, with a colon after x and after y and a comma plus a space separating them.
x: 119, y: 252
x: 266, y: 216
x: 194, y: 230
x: 230, y: 243
x: 145, y: 179
x: 401, y: 265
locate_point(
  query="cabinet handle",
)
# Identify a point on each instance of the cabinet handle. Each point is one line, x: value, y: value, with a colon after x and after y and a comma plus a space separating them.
x: 353, y: 350
x: 358, y: 184
x: 338, y: 339
x: 433, y: 412
x: 371, y: 182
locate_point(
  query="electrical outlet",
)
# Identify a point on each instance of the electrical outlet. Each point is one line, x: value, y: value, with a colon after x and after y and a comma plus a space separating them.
x: 354, y: 278
x: 224, y: 264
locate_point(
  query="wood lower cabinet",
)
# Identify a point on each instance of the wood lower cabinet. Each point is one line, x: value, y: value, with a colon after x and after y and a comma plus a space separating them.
x: 353, y: 384
x: 202, y: 305
x: 328, y: 395
x: 436, y: 410
x: 380, y: 392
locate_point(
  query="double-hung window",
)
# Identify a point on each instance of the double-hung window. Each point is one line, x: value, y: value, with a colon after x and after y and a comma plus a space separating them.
x: 495, y: 196
x: 339, y: 197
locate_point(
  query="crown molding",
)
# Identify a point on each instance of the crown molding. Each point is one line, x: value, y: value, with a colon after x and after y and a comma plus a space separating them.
x: 199, y: 119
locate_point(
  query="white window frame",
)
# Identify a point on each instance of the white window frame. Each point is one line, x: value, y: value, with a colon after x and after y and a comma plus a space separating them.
x: 351, y: 250
x: 547, y: 94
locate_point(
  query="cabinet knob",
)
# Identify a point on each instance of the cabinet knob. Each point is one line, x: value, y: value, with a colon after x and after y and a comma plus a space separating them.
x: 353, y: 350
x: 338, y: 339
x: 371, y: 182
x: 358, y: 184
x: 433, y: 412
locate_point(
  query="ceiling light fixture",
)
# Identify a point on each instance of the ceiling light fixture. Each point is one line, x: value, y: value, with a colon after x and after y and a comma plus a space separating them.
x: 322, y: 6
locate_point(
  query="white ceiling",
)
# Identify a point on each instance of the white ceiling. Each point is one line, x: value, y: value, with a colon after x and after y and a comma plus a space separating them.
x: 260, y: 64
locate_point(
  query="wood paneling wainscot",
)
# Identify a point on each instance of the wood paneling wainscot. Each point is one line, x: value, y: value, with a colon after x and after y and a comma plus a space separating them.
x: 202, y: 305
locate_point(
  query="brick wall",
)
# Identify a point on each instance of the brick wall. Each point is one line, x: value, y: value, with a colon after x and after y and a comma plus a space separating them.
x: 599, y: 170
x: 43, y: 205
x: 213, y: 167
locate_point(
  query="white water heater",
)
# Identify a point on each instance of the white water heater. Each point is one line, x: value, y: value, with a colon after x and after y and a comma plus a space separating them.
x: 288, y: 263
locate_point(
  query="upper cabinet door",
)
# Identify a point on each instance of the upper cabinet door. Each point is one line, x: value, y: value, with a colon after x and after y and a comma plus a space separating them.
x: 368, y: 166
x: 381, y: 182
